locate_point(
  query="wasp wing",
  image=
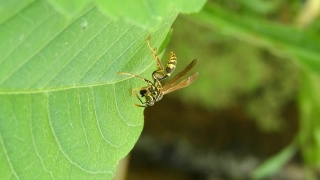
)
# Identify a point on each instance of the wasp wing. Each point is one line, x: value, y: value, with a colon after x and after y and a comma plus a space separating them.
x: 186, y: 82
x: 182, y: 73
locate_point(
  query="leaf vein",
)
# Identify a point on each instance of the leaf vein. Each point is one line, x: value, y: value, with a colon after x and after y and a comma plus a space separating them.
x: 81, y: 120
x: 27, y: 59
x: 33, y: 141
x: 71, y: 59
x: 115, y: 74
x: 107, y: 50
x: 7, y: 157
x: 96, y: 117
x: 60, y: 148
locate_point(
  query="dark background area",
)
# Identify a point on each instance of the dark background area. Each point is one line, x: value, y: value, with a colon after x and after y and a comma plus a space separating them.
x: 183, y: 141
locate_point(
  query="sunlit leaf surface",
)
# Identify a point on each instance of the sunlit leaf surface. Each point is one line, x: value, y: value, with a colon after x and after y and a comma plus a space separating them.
x: 64, y: 110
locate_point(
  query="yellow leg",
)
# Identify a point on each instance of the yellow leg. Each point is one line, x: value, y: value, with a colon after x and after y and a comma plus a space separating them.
x: 133, y: 75
x: 133, y: 90
x: 154, y: 54
x: 139, y: 105
x: 140, y: 101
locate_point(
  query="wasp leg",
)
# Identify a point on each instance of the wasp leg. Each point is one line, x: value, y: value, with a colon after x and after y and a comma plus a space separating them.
x: 154, y: 54
x: 133, y: 75
x: 140, y: 101
x: 133, y: 90
x: 170, y: 67
x: 159, y: 75
x: 140, y: 105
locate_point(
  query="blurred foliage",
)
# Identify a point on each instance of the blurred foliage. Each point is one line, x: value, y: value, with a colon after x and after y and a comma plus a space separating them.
x: 252, y: 54
x: 235, y: 73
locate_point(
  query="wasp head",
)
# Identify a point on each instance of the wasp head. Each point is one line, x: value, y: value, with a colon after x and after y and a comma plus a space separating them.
x: 143, y: 92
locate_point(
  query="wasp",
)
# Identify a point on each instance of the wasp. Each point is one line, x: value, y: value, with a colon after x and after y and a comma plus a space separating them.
x: 154, y: 90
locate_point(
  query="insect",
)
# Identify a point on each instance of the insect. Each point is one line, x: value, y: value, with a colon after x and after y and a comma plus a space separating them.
x: 154, y: 91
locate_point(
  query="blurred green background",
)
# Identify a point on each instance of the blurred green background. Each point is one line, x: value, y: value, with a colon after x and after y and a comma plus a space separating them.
x: 253, y: 112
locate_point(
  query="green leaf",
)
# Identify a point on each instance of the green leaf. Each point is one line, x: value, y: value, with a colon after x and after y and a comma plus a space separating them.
x: 274, y: 164
x: 309, y: 134
x: 143, y: 13
x: 260, y: 6
x: 70, y: 7
x: 10, y: 8
x: 64, y: 110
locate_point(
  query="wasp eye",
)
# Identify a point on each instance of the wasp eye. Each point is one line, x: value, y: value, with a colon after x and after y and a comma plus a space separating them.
x: 143, y: 92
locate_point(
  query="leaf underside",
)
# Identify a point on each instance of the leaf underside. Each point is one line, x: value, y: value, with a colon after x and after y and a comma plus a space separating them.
x: 64, y: 110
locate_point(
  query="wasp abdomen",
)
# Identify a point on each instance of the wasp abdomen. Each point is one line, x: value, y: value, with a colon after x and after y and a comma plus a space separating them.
x: 171, y: 64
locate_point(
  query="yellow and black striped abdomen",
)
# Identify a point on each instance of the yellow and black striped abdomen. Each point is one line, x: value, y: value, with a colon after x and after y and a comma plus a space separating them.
x: 171, y: 64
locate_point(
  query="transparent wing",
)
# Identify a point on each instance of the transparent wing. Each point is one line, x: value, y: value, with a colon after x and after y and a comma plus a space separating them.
x: 182, y: 73
x: 186, y: 82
